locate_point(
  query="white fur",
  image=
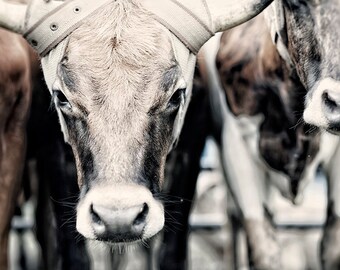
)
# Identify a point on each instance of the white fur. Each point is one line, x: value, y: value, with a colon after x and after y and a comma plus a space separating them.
x: 243, y: 172
x: 314, y: 111
x: 331, y: 147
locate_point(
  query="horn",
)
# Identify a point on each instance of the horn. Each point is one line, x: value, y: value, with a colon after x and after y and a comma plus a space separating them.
x: 195, y: 21
x: 226, y: 14
x: 12, y: 16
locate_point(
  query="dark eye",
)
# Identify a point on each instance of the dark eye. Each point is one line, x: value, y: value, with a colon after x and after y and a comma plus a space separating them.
x: 176, y: 99
x: 60, y: 98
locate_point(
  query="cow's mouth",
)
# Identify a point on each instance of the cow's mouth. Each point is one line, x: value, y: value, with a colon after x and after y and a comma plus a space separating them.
x: 122, y: 241
x: 119, y: 239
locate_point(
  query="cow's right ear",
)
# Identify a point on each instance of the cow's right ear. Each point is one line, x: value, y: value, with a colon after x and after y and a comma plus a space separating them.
x: 12, y: 16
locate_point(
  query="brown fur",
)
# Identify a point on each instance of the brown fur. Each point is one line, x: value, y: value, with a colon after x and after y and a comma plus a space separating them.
x: 16, y: 64
x: 256, y: 80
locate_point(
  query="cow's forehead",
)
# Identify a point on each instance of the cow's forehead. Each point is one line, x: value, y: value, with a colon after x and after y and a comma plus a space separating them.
x: 116, y: 61
x: 177, y: 52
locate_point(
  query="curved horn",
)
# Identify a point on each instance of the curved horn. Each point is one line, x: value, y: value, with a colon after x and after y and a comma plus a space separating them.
x: 195, y: 21
x: 226, y: 14
x: 12, y: 16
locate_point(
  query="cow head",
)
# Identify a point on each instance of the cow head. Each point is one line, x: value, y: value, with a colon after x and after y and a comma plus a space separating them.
x: 121, y: 83
x: 307, y: 35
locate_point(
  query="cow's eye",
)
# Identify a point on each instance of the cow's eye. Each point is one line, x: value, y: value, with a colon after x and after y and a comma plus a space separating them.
x: 176, y: 99
x: 60, y: 98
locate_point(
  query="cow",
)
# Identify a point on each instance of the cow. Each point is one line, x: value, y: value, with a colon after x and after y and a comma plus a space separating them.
x: 306, y: 34
x: 18, y: 65
x: 20, y: 81
x: 120, y: 75
x: 265, y: 144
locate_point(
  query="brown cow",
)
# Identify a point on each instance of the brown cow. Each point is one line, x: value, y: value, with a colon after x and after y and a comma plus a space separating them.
x: 266, y: 145
x: 18, y: 64
x: 306, y: 35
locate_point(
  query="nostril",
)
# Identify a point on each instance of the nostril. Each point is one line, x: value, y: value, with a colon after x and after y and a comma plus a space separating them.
x: 95, y: 217
x: 144, y: 210
x: 331, y: 106
x: 330, y: 101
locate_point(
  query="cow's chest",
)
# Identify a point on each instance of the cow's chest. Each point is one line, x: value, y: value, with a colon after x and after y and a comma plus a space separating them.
x: 249, y: 129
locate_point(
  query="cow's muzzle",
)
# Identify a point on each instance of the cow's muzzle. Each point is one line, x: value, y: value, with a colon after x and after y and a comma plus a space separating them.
x: 122, y: 213
x: 119, y: 225
x: 323, y: 105
x: 331, y: 107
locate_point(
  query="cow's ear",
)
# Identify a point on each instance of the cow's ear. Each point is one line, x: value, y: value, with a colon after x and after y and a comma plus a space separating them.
x: 226, y: 14
x: 276, y: 22
x: 12, y: 16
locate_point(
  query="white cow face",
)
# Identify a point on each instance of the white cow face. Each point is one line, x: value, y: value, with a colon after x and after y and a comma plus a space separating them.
x: 121, y: 83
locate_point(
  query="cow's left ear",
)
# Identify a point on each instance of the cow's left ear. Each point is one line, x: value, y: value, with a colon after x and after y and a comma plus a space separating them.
x: 276, y: 22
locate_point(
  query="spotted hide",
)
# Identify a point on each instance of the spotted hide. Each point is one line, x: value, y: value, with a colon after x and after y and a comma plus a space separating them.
x: 267, y: 148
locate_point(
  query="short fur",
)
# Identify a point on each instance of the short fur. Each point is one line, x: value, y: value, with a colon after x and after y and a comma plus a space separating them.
x: 118, y: 114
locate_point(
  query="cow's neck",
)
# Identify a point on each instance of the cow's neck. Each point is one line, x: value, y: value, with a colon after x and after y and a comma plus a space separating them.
x: 286, y: 143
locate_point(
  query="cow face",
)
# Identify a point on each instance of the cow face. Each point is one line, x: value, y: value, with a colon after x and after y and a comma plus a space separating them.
x: 121, y: 77
x: 119, y: 95
x: 312, y: 37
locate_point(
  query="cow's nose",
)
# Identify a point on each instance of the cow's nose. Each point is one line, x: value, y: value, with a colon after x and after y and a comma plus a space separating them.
x: 119, y: 225
x: 331, y: 104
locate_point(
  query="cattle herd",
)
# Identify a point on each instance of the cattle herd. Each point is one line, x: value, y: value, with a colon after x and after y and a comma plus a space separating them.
x: 135, y: 93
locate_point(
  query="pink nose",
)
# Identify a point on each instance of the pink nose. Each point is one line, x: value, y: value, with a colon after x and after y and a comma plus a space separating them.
x: 118, y: 225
